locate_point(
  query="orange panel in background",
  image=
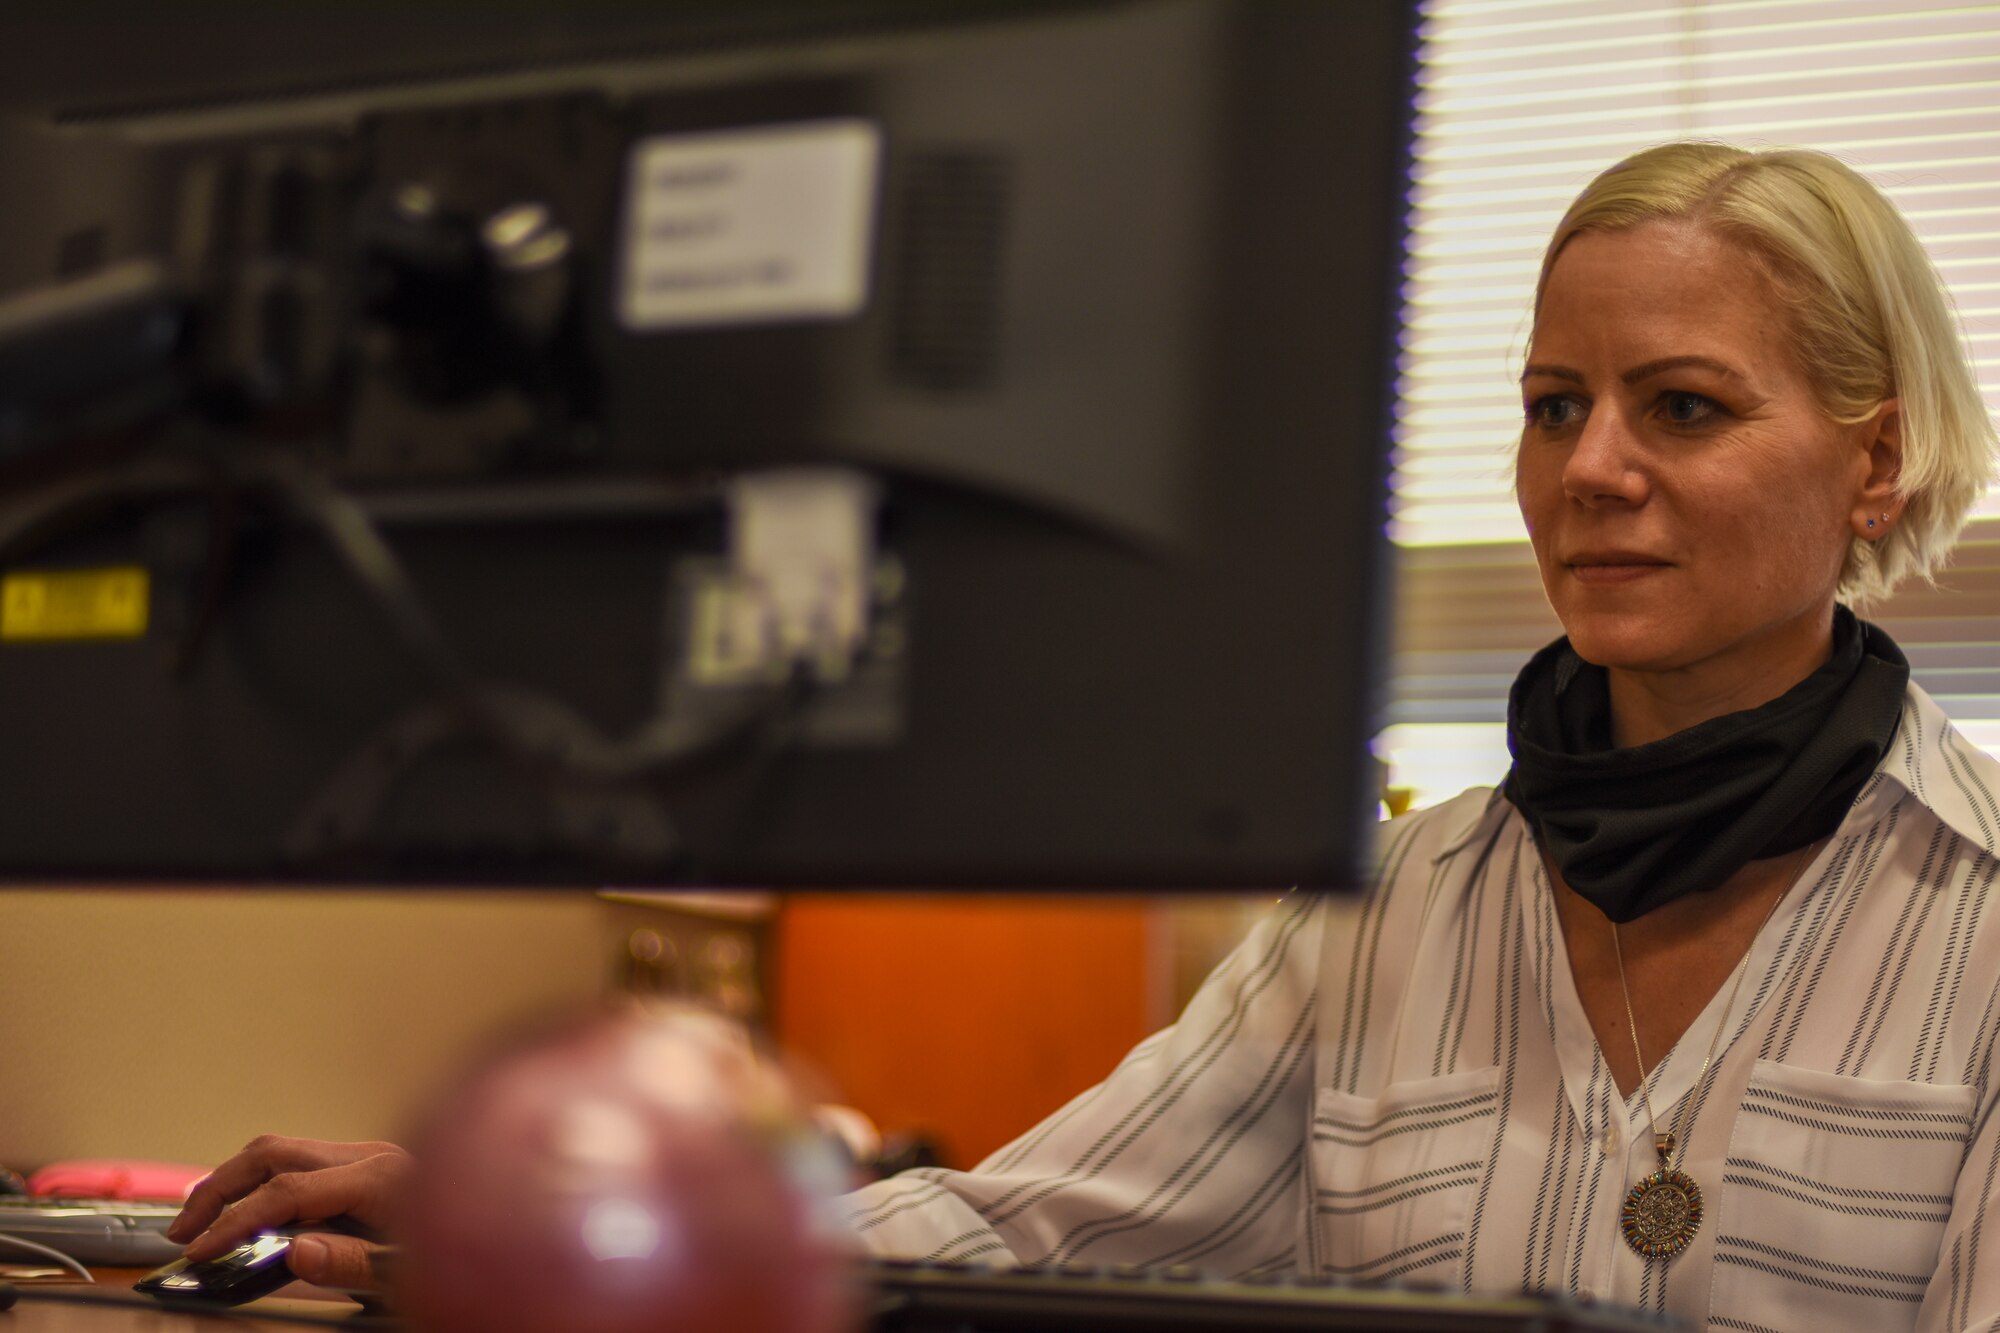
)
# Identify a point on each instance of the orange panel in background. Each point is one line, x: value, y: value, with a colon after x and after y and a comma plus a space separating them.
x: 966, y: 1018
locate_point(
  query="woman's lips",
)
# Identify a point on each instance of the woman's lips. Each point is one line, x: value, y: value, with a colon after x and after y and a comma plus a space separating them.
x: 1617, y: 570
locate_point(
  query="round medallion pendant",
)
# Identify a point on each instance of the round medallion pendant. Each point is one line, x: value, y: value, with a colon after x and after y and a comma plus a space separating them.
x: 1661, y: 1214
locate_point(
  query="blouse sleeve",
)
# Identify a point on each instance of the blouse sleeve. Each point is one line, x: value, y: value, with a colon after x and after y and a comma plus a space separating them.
x: 1191, y: 1152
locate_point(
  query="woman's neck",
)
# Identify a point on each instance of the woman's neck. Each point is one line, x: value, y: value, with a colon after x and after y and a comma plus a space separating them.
x: 1650, y: 705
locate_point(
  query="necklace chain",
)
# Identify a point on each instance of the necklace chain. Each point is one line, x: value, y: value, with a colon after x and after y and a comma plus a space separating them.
x: 1665, y: 1144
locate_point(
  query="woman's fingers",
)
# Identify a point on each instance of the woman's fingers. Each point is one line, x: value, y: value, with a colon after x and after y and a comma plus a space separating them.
x: 344, y: 1262
x: 262, y: 1158
x: 361, y: 1190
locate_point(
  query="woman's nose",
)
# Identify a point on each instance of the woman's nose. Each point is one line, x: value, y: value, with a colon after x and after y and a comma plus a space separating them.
x: 1605, y: 467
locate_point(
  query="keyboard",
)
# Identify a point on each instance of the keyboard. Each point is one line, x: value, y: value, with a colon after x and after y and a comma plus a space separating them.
x: 113, y: 1232
x: 918, y: 1297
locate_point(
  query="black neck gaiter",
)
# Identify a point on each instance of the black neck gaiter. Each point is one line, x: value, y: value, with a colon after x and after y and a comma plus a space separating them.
x: 1634, y: 829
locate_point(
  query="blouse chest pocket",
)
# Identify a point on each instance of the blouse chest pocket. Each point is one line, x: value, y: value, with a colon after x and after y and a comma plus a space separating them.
x: 1394, y: 1175
x: 1835, y: 1196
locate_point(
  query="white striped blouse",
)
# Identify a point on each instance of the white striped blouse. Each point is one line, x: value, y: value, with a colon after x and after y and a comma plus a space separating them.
x: 1409, y: 1088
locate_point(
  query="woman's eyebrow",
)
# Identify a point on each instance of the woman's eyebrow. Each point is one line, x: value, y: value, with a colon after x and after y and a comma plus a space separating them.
x: 1666, y: 363
x: 1639, y: 373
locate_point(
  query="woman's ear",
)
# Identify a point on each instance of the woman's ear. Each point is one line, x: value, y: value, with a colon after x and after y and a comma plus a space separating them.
x: 1879, y: 501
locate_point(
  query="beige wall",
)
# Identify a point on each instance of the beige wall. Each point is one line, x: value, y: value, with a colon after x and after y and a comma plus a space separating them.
x: 178, y: 1024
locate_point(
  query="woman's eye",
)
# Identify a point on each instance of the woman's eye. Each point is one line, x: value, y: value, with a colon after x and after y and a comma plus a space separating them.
x: 1555, y: 412
x: 1686, y: 409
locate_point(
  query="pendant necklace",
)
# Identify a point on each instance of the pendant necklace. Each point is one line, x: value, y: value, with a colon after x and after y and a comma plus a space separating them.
x: 1663, y: 1211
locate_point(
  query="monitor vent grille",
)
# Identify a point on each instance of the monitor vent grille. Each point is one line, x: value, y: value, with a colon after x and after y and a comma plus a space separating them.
x: 947, y: 279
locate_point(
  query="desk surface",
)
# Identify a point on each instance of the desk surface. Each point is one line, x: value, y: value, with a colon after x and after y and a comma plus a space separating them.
x: 925, y: 1298
x: 57, y: 1308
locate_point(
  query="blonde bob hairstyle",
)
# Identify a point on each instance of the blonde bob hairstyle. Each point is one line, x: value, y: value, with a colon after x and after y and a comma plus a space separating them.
x: 1869, y: 319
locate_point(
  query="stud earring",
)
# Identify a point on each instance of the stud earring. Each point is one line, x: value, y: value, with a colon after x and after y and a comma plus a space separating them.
x: 1871, y: 522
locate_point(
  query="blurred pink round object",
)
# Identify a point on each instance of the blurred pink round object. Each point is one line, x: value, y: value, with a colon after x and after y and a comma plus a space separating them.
x: 623, y: 1173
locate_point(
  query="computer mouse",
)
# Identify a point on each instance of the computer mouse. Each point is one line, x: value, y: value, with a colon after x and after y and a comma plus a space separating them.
x: 254, y: 1268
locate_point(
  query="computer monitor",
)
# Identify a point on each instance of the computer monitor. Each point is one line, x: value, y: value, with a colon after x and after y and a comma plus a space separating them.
x: 860, y: 445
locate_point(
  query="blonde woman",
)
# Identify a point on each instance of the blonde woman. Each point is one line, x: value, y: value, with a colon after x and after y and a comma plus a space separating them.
x: 1698, y: 1011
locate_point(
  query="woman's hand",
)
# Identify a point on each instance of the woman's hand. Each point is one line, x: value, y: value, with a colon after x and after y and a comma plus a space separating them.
x: 275, y: 1181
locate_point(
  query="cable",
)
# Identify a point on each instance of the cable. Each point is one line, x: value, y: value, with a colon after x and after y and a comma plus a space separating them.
x: 661, y: 743
x: 258, y: 1312
x: 47, y: 1253
x: 72, y: 502
x: 538, y: 731
x: 359, y: 544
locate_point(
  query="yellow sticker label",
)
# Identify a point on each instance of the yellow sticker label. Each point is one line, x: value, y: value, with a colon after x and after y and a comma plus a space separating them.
x: 74, y: 604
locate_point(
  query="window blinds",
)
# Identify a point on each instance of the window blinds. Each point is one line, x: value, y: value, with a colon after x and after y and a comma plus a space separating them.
x: 1519, y: 103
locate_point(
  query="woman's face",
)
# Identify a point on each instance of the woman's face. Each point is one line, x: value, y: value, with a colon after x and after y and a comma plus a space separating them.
x: 1689, y: 502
